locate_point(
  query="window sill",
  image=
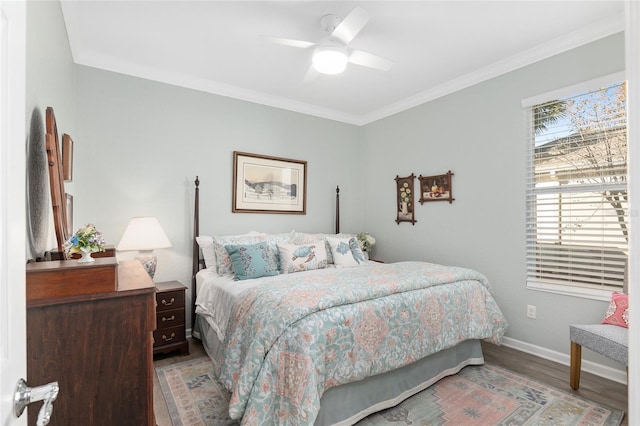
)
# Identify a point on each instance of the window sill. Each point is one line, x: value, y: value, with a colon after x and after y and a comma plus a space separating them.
x: 574, y: 291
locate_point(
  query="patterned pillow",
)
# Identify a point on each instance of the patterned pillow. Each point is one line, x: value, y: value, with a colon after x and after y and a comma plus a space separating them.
x: 618, y: 311
x: 346, y: 252
x: 223, y: 261
x: 304, y: 238
x: 251, y: 261
x: 274, y: 239
x: 305, y: 257
x: 205, y: 243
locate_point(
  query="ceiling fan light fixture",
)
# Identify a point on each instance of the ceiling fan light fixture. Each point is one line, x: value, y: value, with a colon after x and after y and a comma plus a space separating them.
x: 330, y: 59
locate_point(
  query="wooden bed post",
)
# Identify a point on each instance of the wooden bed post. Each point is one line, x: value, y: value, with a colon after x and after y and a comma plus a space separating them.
x: 196, y: 254
x: 337, y: 209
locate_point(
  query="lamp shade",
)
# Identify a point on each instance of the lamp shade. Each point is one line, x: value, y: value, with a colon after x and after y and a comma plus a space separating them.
x: 143, y: 234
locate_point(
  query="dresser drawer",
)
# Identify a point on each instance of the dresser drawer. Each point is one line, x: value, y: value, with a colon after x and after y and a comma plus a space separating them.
x: 165, y: 336
x: 170, y: 300
x: 166, y: 319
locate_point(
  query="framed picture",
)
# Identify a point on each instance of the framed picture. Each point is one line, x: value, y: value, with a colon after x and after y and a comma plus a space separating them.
x: 404, y: 200
x: 264, y: 184
x: 67, y: 157
x: 436, y: 188
x: 69, y: 208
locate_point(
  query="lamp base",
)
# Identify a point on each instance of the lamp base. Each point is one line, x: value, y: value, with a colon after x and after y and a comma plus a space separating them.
x: 149, y: 261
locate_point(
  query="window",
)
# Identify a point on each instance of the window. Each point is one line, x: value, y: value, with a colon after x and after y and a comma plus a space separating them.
x: 577, y: 233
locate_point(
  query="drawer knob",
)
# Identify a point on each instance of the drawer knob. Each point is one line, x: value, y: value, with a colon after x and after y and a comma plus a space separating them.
x: 171, y: 318
x: 168, y: 339
x: 169, y: 303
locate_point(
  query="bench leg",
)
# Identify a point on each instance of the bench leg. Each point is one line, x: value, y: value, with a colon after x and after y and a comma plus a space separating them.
x: 576, y: 361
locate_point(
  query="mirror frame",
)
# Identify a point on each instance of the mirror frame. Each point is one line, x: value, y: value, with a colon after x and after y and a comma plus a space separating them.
x: 56, y: 179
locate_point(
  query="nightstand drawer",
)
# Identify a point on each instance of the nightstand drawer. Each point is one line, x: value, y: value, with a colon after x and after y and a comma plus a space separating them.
x: 165, y: 336
x: 170, y: 300
x: 170, y: 334
x: 166, y: 319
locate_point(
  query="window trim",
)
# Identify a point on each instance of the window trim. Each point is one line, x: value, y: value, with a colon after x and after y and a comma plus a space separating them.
x: 564, y: 92
x: 570, y: 290
x: 576, y: 290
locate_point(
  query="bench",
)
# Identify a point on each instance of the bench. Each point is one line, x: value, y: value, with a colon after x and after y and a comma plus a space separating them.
x: 606, y: 339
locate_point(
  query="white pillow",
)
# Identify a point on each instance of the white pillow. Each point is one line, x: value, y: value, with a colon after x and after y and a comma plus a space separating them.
x: 303, y: 238
x: 205, y: 243
x: 346, y: 252
x: 303, y: 257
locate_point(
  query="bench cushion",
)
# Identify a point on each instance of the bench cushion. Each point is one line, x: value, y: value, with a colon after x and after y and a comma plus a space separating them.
x: 608, y: 340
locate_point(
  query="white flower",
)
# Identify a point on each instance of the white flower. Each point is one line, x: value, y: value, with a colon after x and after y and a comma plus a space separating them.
x: 366, y: 241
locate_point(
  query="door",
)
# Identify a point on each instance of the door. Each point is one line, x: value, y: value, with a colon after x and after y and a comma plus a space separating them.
x: 12, y: 206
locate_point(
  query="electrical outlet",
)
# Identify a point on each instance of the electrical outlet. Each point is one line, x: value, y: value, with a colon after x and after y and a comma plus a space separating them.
x: 531, y: 311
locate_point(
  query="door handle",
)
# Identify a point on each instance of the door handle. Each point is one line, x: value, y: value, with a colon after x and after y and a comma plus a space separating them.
x: 25, y: 395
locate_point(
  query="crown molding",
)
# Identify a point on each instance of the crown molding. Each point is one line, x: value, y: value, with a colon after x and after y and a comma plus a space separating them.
x: 598, y: 30
x: 203, y: 85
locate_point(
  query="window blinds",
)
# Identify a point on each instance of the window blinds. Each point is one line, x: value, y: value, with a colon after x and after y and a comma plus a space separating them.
x: 577, y: 190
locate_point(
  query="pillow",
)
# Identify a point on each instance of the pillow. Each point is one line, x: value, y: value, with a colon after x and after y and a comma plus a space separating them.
x: 304, y: 257
x: 346, y: 252
x: 223, y: 261
x: 251, y: 261
x: 304, y: 238
x: 205, y: 243
x: 274, y: 239
x: 618, y: 311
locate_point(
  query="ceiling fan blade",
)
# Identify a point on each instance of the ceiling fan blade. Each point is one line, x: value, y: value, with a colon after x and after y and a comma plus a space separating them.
x: 351, y: 25
x: 311, y: 75
x: 286, y: 41
x: 365, y: 59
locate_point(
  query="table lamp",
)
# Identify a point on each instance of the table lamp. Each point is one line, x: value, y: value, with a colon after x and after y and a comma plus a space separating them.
x: 144, y: 234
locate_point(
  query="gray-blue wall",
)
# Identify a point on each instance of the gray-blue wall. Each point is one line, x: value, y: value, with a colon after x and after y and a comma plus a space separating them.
x: 140, y: 145
x: 479, y: 133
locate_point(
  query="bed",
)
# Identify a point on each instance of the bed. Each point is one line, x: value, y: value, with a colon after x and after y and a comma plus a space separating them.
x: 331, y: 342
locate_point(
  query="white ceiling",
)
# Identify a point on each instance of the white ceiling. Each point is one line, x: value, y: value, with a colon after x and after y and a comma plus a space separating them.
x: 436, y: 47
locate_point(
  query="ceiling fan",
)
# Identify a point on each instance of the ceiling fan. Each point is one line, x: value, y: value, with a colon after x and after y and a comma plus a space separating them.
x: 332, y: 54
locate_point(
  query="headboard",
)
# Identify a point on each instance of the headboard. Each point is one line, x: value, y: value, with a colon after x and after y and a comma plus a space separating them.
x: 198, y: 261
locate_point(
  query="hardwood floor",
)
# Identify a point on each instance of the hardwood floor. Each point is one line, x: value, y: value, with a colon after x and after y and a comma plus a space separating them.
x: 594, y: 388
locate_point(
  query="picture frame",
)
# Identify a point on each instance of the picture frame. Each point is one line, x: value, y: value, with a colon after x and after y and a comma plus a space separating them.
x: 436, y: 188
x: 267, y: 184
x: 405, y: 206
x: 67, y: 157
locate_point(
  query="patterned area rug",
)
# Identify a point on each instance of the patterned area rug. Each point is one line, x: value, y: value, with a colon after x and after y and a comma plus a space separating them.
x: 478, y: 395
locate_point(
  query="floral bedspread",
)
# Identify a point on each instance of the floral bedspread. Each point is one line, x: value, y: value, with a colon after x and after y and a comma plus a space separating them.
x: 293, y: 337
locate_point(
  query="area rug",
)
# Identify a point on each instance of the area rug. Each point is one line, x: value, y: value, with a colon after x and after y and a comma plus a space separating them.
x: 477, y: 395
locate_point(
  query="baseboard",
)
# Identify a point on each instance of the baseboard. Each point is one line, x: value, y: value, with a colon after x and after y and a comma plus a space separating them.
x: 610, y: 373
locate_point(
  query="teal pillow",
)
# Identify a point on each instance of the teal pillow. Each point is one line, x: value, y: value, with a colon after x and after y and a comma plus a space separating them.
x: 251, y: 261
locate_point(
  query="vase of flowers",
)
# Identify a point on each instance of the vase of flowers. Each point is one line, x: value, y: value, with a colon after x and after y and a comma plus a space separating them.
x: 85, y: 241
x: 366, y: 242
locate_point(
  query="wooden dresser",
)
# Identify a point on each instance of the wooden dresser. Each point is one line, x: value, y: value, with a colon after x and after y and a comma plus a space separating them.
x: 97, y: 346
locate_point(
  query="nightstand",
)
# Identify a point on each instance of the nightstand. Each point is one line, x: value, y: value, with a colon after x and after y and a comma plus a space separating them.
x: 170, y: 334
